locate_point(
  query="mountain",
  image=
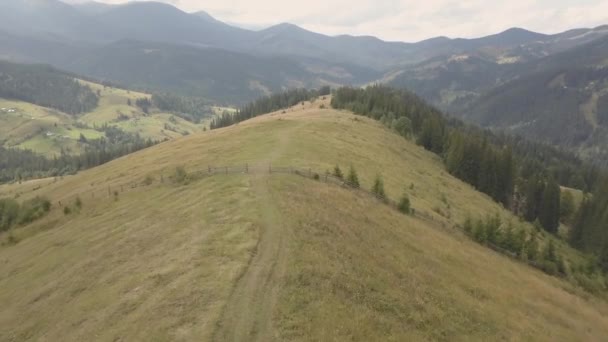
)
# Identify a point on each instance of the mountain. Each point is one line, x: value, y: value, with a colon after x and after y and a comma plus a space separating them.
x: 260, y: 256
x: 558, y: 99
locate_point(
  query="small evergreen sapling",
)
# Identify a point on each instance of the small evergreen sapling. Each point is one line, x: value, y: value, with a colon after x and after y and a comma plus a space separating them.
x: 338, y: 172
x: 404, y: 204
x: 352, y: 178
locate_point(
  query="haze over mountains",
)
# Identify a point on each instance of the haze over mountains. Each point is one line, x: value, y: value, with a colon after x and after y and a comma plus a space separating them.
x: 157, y: 47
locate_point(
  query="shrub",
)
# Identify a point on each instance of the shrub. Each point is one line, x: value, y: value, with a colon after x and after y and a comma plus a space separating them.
x: 78, y: 203
x: 34, y: 209
x: 468, y: 225
x: 316, y: 176
x: 180, y: 175
x: 353, y: 178
x: 148, y: 180
x: 404, y: 204
x: 479, y: 232
x: 67, y: 211
x: 9, y: 212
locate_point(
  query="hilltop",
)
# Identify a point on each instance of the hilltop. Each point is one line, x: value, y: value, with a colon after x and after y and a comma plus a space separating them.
x: 156, y: 250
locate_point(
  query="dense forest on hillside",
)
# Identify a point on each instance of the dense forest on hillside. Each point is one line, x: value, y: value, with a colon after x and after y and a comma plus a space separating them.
x: 523, y: 176
x: 45, y: 86
x: 192, y: 109
x: 17, y: 164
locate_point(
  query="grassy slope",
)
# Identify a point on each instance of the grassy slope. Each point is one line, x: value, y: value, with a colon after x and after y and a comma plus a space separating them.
x: 169, y: 262
x: 28, y: 127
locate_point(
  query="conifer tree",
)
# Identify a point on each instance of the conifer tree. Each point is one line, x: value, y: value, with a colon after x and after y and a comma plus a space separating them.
x: 549, y: 211
x: 352, y: 178
x: 404, y: 204
x: 338, y: 172
x: 378, y: 188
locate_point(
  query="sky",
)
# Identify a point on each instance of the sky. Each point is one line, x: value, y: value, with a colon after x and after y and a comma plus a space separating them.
x: 405, y: 20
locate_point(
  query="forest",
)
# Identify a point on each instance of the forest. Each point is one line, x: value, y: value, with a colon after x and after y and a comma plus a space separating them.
x: 44, y: 86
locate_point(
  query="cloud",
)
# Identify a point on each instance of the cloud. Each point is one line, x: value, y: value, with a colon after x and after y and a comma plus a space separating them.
x: 406, y: 20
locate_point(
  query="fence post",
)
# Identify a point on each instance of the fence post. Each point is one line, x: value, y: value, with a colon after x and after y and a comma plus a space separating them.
x: 246, y: 168
x: 209, y: 168
x: 269, y: 168
x: 226, y: 169
x: 310, y: 172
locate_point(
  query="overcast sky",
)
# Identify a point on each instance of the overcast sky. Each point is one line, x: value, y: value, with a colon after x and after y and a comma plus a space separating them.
x: 406, y: 20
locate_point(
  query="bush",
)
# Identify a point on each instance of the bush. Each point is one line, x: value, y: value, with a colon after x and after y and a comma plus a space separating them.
x: 9, y: 212
x: 34, y: 209
x: 148, y: 180
x: 78, y: 203
x: 180, y: 175
x: 468, y: 225
x: 316, y: 176
x: 404, y: 204
x: 67, y: 211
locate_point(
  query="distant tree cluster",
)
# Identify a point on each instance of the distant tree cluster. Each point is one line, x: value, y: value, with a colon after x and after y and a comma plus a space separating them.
x: 17, y: 164
x: 44, y: 86
x: 264, y: 105
x: 12, y: 213
x: 191, y: 109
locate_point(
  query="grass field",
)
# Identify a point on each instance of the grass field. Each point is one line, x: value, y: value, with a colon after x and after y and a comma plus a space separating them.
x: 48, y: 131
x: 263, y: 257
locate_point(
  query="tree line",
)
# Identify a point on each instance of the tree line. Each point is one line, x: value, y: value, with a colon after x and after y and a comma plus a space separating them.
x: 45, y: 86
x: 266, y: 105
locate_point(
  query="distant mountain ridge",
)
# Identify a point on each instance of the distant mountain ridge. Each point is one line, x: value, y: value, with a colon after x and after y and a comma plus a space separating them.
x: 156, y: 46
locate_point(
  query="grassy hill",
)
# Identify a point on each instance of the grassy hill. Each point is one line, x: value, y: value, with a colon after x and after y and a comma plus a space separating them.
x: 259, y: 256
x: 48, y: 131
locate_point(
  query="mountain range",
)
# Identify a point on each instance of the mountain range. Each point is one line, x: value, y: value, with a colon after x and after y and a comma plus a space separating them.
x: 157, y: 47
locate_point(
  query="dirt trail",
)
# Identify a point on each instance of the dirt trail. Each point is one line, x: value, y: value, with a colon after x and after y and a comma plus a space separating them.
x: 248, y: 313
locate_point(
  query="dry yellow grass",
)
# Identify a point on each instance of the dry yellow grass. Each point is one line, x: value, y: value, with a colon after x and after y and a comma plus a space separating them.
x: 258, y: 257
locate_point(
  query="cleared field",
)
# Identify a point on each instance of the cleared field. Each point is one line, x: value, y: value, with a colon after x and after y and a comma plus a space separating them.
x: 275, y: 257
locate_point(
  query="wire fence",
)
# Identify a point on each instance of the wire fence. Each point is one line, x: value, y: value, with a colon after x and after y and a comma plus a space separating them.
x: 114, y: 191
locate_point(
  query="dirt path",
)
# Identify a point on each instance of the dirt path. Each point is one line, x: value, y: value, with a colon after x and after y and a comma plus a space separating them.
x: 248, y: 313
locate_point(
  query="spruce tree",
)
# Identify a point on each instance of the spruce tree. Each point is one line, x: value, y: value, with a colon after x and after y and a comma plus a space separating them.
x: 378, y: 188
x: 352, y: 178
x: 338, y: 172
x: 549, y: 211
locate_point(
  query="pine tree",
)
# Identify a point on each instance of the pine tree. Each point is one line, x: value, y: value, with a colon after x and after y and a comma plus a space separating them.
x: 352, y: 178
x: 549, y: 211
x: 338, y: 172
x: 378, y: 188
